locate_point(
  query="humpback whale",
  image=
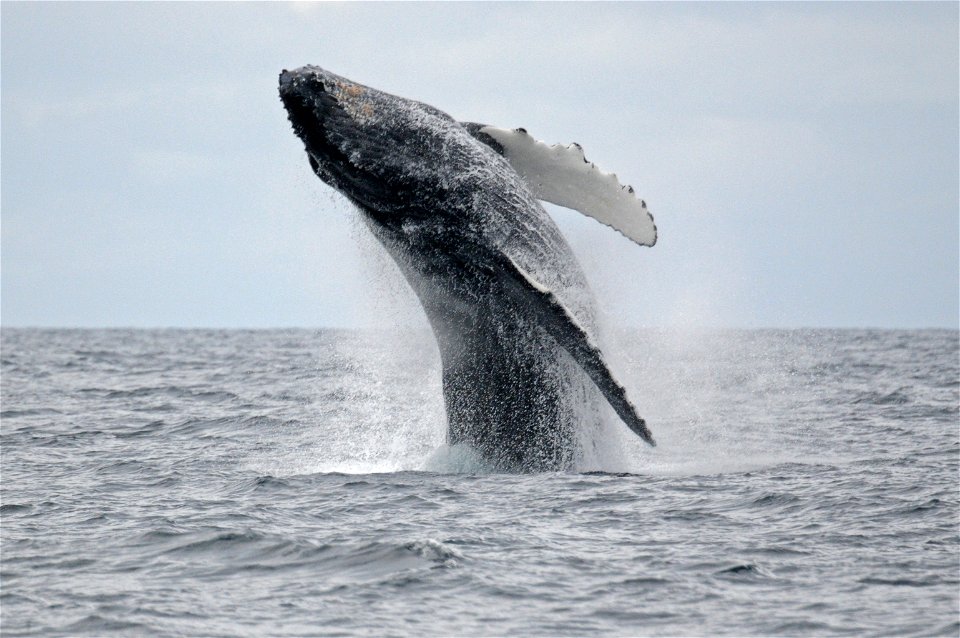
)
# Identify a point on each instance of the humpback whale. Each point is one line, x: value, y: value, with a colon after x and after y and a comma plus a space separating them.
x: 456, y: 205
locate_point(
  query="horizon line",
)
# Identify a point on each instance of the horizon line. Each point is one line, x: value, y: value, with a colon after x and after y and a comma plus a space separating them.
x: 688, y: 328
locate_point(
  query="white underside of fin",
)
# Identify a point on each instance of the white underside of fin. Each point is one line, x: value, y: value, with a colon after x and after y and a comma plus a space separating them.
x: 562, y: 175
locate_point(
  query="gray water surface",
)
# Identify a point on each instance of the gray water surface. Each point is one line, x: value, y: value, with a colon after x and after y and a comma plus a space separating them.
x: 252, y: 483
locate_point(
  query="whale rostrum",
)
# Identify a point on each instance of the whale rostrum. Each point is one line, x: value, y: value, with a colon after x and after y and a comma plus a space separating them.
x: 456, y: 206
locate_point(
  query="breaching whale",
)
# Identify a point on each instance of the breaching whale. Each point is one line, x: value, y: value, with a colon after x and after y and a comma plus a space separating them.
x: 456, y: 206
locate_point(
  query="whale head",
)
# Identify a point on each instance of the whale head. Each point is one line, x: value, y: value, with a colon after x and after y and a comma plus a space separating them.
x: 384, y: 152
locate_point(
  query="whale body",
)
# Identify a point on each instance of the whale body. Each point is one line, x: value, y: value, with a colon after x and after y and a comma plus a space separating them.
x: 456, y: 206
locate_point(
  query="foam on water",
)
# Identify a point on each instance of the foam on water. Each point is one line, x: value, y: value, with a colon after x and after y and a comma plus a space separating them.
x: 456, y: 459
x: 700, y: 420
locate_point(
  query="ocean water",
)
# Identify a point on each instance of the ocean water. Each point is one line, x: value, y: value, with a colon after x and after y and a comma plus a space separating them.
x: 296, y: 482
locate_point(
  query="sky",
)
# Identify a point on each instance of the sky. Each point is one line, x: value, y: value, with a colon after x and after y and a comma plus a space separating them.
x: 801, y: 160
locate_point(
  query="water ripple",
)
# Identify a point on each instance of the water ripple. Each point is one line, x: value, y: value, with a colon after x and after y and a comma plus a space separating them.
x: 250, y: 483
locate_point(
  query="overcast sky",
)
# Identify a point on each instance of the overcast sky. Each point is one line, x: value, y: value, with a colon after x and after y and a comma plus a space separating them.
x: 801, y: 160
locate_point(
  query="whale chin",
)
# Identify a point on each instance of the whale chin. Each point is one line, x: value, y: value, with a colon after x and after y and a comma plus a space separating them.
x: 313, y: 113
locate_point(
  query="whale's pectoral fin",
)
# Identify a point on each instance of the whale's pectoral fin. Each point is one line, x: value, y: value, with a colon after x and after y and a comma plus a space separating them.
x: 562, y: 175
x: 550, y: 313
